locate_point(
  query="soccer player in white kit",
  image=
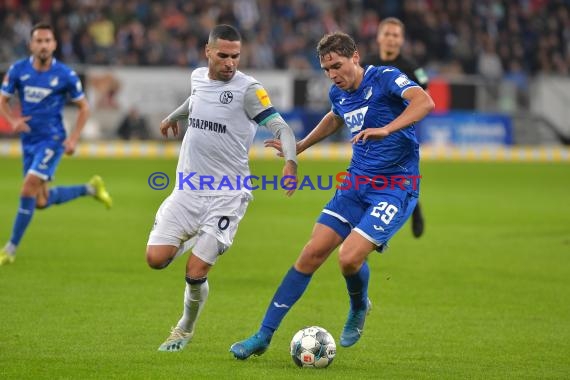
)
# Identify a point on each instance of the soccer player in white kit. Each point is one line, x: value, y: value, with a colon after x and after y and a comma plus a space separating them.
x: 203, y: 212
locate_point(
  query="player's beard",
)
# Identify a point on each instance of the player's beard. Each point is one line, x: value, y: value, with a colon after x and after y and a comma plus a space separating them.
x: 226, y: 76
x: 392, y: 53
x: 44, y: 57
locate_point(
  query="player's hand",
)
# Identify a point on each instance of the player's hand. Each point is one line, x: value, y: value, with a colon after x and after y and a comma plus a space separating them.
x: 165, y: 125
x: 274, y: 143
x: 370, y: 133
x: 19, y: 124
x: 69, y: 145
x: 290, y: 177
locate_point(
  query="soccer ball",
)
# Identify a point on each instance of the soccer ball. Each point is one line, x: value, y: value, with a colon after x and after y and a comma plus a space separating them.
x: 313, y: 347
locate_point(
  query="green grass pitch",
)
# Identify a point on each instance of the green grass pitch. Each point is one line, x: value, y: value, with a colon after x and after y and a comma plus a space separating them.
x: 485, y: 294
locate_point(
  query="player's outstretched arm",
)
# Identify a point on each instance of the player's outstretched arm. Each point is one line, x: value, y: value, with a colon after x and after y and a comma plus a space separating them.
x: 290, y: 177
x: 328, y: 125
x: 71, y: 141
x: 286, y: 139
x: 18, y: 123
x: 181, y: 112
x: 171, y: 121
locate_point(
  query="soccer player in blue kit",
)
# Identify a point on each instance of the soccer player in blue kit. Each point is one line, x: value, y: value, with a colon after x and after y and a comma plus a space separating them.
x: 43, y: 84
x: 380, y: 106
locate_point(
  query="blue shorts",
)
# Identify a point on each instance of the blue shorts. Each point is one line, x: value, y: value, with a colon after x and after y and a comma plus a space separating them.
x: 376, y: 214
x: 41, y: 159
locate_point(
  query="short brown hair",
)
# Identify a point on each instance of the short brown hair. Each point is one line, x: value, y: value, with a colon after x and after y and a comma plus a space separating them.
x: 42, y: 25
x: 394, y: 21
x: 337, y: 42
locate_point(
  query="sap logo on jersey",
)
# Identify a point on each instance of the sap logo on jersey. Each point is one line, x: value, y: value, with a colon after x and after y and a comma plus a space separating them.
x: 35, y: 94
x: 355, y: 120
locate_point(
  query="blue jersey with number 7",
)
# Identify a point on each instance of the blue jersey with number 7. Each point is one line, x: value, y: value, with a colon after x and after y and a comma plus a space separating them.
x: 42, y: 96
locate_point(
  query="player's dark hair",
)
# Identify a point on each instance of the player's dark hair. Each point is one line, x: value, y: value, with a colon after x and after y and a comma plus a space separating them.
x: 224, y: 32
x: 337, y: 42
x: 42, y: 25
x: 394, y: 21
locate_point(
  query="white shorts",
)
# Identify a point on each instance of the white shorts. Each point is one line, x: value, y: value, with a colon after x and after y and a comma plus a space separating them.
x: 207, y: 223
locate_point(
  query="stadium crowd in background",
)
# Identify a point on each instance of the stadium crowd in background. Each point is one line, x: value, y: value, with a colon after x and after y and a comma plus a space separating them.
x: 488, y: 37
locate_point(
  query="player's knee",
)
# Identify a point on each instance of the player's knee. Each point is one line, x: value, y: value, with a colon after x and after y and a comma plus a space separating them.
x: 29, y: 190
x: 348, y: 264
x: 156, y: 262
x: 31, y: 187
x: 311, y: 258
x: 156, y: 259
x: 41, y: 204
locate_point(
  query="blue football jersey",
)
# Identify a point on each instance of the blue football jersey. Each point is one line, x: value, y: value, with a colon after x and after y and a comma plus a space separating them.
x: 377, y: 101
x: 42, y: 95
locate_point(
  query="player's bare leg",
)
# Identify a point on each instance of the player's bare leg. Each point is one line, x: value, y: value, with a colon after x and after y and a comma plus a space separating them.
x: 159, y: 256
x: 42, y: 195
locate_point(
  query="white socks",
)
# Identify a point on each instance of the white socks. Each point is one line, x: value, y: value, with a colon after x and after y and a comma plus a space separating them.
x: 195, y: 297
x: 10, y: 248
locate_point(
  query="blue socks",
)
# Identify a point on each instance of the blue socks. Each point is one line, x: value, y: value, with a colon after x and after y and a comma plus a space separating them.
x: 357, y: 285
x: 62, y: 194
x: 23, y: 218
x: 57, y: 195
x: 291, y: 289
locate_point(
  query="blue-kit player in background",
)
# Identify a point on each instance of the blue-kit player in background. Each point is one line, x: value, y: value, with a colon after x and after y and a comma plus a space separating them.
x: 380, y: 106
x: 43, y: 85
x: 390, y: 39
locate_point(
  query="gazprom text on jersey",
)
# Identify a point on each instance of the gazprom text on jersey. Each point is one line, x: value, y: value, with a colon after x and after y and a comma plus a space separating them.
x: 206, y: 124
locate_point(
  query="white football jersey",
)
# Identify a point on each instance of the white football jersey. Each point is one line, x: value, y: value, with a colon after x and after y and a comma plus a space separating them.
x: 214, y: 153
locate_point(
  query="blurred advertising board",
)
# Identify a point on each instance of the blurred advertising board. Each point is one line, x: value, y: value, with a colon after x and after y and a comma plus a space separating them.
x: 465, y: 128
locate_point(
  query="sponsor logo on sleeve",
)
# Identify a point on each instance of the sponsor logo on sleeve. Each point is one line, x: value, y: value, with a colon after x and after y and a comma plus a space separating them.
x: 402, y: 81
x: 263, y: 97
